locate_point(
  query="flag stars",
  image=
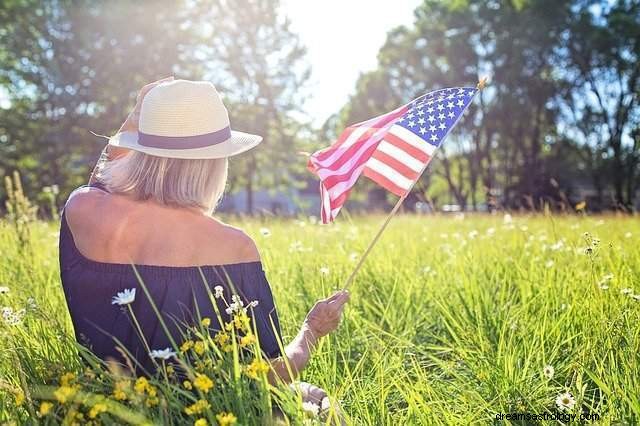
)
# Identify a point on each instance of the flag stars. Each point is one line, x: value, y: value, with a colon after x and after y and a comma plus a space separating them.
x: 442, y: 126
x: 430, y: 110
x: 441, y: 116
x: 420, y: 112
x: 412, y: 123
x: 451, y: 105
x: 431, y: 119
x: 423, y: 130
x: 440, y: 107
x: 421, y: 121
x: 434, y: 137
x: 432, y: 128
x: 451, y: 114
x: 460, y: 103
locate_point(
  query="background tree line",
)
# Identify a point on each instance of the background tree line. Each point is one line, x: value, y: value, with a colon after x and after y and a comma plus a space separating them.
x: 561, y: 113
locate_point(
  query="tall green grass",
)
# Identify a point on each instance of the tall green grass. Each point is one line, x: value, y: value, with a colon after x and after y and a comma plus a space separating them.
x: 451, y: 320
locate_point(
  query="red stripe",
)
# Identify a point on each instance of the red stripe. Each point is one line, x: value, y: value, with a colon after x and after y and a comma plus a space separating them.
x: 383, y: 121
x: 398, y: 166
x: 384, y: 182
x: 332, y: 180
x: 324, y: 153
x: 408, y: 148
x: 350, y: 152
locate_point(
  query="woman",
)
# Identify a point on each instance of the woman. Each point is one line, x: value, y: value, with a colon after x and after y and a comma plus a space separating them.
x: 149, y: 204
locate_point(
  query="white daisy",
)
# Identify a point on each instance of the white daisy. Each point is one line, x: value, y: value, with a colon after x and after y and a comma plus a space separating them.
x: 549, y: 264
x: 4, y: 290
x: 253, y: 304
x: 565, y: 401
x: 627, y: 235
x: 265, y: 232
x: 162, y: 353
x: 218, y: 291
x: 636, y: 297
x: 124, y: 297
x: 353, y: 257
x: 236, y: 305
x: 626, y: 290
x: 324, y: 270
x: 310, y: 408
x: 507, y: 218
x: 548, y: 371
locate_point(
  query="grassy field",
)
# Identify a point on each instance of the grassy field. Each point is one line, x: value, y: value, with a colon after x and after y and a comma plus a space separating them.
x: 452, y: 320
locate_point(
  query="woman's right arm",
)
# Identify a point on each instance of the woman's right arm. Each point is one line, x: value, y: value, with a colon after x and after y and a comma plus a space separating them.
x: 321, y: 320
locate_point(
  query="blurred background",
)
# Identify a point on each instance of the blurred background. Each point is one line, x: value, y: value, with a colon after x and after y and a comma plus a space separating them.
x: 557, y: 128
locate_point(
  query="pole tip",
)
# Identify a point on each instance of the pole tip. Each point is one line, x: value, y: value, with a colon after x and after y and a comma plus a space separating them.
x: 482, y: 82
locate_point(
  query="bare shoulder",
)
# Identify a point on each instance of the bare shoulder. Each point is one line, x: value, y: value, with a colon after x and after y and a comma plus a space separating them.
x: 82, y: 201
x: 235, y: 241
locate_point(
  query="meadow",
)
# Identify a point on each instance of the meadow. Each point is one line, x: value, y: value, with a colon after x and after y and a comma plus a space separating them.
x: 452, y: 319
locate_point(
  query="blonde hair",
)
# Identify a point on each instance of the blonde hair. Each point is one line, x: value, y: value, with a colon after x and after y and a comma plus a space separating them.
x: 170, y: 181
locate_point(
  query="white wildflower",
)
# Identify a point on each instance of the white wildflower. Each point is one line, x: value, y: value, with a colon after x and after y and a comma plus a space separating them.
x: 506, y: 219
x: 626, y: 290
x: 236, y: 305
x: 4, y: 290
x: 636, y: 297
x: 557, y: 246
x: 491, y: 231
x: 265, y: 232
x: 473, y: 234
x: 124, y: 297
x: 627, y: 235
x: 253, y: 304
x: 324, y: 270
x: 549, y: 264
x: 353, y: 257
x: 565, y: 401
x: 31, y: 303
x: 548, y: 371
x: 162, y: 353
x: 218, y: 291
x: 310, y: 408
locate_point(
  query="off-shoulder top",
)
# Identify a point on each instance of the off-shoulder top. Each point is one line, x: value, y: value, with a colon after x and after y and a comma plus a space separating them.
x: 179, y: 293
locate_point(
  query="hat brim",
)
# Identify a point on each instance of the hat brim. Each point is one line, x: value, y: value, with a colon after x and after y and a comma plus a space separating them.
x: 238, y: 143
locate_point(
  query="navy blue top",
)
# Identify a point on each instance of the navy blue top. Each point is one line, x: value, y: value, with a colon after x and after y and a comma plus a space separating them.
x: 179, y: 293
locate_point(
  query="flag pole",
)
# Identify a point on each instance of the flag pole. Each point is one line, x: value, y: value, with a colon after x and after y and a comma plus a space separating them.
x: 349, y: 281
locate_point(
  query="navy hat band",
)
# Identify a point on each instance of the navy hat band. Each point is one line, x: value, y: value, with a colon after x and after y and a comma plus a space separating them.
x: 184, y: 142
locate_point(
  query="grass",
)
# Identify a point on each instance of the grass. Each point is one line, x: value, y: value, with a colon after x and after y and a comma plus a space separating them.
x: 451, y: 320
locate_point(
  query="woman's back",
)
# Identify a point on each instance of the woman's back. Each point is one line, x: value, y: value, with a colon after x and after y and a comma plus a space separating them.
x: 116, y: 229
x: 102, y: 235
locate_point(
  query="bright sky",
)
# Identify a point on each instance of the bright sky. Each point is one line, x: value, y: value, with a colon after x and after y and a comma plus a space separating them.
x: 342, y: 39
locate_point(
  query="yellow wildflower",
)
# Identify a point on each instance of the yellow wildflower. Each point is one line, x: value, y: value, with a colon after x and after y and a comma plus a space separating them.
x: 228, y: 326
x: 203, y: 383
x: 19, y: 398
x: 170, y: 369
x: 98, y: 408
x: 187, y: 385
x: 221, y: 338
x: 66, y: 379
x: 199, y: 347
x: 247, y: 340
x: 200, y: 422
x: 64, y: 393
x: 227, y: 348
x: 141, y: 385
x: 45, y: 408
x: 256, y: 368
x: 151, y: 401
x: 226, y: 419
x: 188, y: 344
x: 206, y: 322
x: 120, y: 390
x: 241, y: 321
x: 198, y: 407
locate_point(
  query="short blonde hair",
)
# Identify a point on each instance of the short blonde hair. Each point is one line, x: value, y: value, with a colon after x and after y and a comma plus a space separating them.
x: 170, y: 181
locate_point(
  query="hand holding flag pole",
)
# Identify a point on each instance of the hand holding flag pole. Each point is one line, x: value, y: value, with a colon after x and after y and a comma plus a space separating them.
x: 393, y: 150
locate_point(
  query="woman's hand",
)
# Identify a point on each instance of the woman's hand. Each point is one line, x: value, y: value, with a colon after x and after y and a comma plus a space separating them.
x: 325, y: 315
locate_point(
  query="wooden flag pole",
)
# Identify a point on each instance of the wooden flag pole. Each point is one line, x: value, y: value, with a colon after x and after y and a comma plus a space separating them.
x: 349, y: 281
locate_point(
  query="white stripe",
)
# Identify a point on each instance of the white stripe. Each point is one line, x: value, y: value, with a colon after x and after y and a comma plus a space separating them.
x: 325, y: 172
x: 413, y: 139
x: 339, y: 188
x: 389, y: 172
x: 352, y: 139
x: 402, y: 156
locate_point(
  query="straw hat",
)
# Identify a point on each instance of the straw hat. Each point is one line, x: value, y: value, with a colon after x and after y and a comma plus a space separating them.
x: 185, y: 119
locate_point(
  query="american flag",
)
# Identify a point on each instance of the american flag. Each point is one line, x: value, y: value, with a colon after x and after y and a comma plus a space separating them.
x: 392, y: 149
